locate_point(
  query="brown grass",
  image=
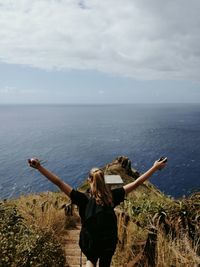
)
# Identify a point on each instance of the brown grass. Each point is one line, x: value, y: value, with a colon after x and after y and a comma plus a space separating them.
x: 179, y: 252
x: 159, y: 233
x: 45, y: 211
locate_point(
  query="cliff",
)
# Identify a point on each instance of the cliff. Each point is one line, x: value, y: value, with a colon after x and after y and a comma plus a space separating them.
x: 154, y: 230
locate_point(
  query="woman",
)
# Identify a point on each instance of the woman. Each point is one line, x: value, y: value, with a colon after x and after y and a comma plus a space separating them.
x: 98, y: 237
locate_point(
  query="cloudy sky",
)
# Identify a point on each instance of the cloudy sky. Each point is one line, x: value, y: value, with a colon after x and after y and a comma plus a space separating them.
x: 99, y: 51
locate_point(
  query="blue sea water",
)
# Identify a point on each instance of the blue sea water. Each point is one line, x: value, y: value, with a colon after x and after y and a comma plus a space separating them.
x: 71, y: 139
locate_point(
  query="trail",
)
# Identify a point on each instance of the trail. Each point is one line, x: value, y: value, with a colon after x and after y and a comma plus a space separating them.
x: 72, y: 250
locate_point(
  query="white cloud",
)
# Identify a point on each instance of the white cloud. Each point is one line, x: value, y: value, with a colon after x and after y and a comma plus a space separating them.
x: 138, y: 38
x: 8, y: 90
x: 13, y: 91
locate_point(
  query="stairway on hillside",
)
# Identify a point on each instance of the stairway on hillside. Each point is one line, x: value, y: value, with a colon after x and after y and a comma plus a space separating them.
x: 72, y: 250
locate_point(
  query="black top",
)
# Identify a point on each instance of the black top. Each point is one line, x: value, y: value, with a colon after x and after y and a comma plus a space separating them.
x: 99, y: 223
x: 83, y: 202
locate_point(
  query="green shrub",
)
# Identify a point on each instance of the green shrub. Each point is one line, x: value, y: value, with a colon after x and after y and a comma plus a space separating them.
x: 23, y: 246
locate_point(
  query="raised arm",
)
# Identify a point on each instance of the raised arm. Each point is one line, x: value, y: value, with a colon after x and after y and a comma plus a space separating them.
x: 35, y: 163
x: 158, y: 165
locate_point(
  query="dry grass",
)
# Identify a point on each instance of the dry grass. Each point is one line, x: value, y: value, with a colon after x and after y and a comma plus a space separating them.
x: 179, y: 252
x: 23, y: 244
x: 45, y: 211
x: 131, y: 241
x: 160, y: 233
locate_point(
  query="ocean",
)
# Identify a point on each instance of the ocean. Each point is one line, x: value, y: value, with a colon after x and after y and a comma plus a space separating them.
x: 71, y: 139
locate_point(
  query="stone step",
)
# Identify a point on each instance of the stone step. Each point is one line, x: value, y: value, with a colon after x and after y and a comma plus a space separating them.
x: 75, y: 231
x: 73, y: 234
x: 75, y: 260
x: 72, y: 246
x: 71, y: 241
x: 67, y: 242
x: 72, y: 252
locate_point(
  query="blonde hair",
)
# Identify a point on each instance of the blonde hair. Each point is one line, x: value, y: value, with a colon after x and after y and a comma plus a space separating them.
x: 100, y: 191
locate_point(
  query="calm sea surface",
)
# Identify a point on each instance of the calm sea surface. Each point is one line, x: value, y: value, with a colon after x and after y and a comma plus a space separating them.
x: 73, y: 138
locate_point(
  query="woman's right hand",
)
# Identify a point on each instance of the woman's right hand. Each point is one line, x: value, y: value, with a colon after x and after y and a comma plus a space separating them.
x: 34, y: 163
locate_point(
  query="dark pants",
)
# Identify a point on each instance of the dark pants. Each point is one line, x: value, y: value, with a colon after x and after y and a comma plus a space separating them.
x: 98, y: 249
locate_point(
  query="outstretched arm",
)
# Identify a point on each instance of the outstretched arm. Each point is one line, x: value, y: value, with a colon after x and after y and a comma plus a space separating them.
x: 158, y: 165
x: 35, y: 163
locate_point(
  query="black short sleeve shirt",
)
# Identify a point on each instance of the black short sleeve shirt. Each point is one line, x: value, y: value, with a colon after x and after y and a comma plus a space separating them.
x: 81, y: 200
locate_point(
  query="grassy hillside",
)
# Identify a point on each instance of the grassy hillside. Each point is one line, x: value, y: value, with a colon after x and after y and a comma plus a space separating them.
x: 154, y: 230
x: 159, y: 233
x: 31, y: 231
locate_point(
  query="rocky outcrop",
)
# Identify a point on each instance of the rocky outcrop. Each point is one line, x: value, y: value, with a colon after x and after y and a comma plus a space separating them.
x: 122, y: 166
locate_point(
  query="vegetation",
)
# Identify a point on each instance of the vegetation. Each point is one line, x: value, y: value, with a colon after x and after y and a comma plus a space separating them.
x: 31, y: 229
x: 159, y: 233
x: 154, y: 230
x: 46, y: 211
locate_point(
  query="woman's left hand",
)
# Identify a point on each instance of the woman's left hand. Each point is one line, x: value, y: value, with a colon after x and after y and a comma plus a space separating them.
x: 160, y: 164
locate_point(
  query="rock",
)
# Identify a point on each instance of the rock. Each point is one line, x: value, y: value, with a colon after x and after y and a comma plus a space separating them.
x: 121, y: 165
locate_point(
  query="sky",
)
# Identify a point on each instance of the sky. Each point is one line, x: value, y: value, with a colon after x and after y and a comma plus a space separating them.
x: 99, y: 51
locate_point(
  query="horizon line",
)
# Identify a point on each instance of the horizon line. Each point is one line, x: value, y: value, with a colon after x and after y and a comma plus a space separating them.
x: 98, y: 104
